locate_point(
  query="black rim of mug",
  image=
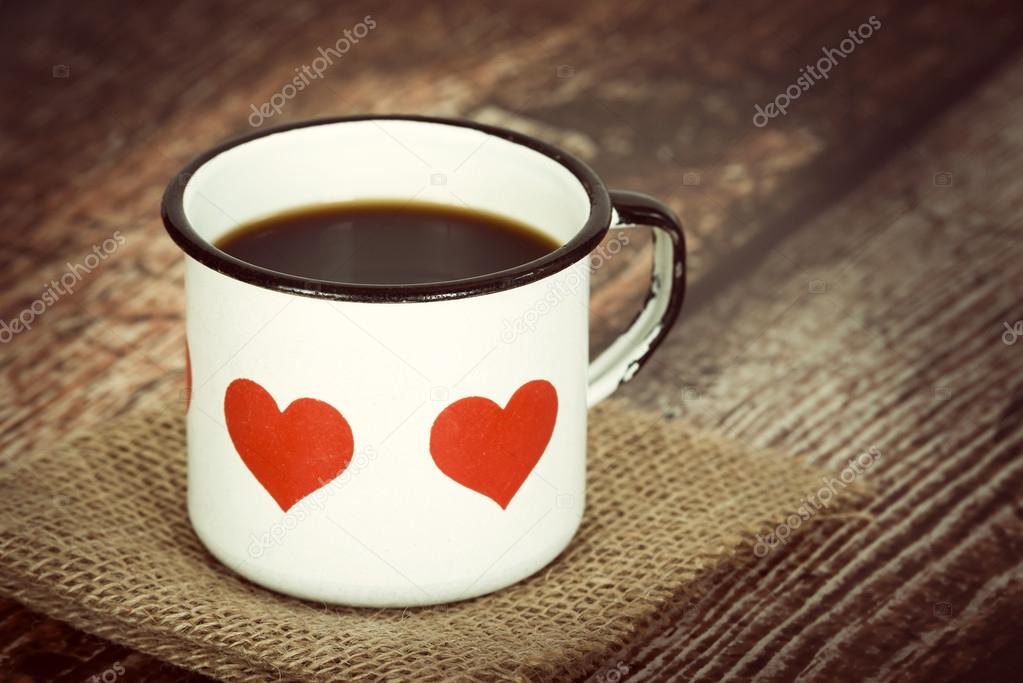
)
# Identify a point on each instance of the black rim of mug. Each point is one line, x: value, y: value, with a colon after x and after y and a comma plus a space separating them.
x: 582, y: 243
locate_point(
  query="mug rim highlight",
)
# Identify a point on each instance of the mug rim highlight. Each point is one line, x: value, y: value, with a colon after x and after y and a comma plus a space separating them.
x: 582, y: 243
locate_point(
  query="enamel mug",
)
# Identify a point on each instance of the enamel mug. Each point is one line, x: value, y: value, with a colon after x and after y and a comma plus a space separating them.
x: 399, y: 445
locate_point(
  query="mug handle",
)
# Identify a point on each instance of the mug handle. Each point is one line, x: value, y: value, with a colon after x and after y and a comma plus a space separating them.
x: 620, y: 361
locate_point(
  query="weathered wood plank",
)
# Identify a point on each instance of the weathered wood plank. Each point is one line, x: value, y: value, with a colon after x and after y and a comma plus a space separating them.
x: 877, y: 326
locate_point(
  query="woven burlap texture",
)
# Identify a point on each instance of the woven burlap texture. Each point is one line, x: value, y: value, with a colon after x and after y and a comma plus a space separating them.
x: 96, y: 533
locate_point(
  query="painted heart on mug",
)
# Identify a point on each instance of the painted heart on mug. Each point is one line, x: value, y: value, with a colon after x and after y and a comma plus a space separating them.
x: 492, y: 450
x: 291, y: 453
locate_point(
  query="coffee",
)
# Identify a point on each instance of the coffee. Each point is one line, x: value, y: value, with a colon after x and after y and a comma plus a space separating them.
x: 386, y: 242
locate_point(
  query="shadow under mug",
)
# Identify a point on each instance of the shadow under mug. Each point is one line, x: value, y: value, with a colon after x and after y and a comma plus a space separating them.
x: 411, y: 444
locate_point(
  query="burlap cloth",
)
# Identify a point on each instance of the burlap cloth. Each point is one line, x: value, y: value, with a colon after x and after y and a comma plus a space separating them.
x: 95, y: 533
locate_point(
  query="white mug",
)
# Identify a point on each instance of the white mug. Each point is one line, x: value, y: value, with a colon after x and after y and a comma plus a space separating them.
x: 399, y: 445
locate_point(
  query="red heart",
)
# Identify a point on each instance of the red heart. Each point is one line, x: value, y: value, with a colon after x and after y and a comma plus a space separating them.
x: 291, y: 453
x: 491, y: 450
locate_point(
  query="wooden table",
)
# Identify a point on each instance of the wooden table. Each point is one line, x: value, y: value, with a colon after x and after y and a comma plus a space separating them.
x: 856, y: 270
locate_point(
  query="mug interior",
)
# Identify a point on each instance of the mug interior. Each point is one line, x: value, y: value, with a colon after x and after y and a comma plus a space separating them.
x: 388, y: 158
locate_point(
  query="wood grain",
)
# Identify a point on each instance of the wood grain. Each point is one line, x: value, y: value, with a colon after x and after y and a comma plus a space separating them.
x: 658, y: 97
x: 878, y: 326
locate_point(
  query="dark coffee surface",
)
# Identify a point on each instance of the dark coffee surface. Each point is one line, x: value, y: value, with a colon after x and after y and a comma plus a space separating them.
x: 386, y: 242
